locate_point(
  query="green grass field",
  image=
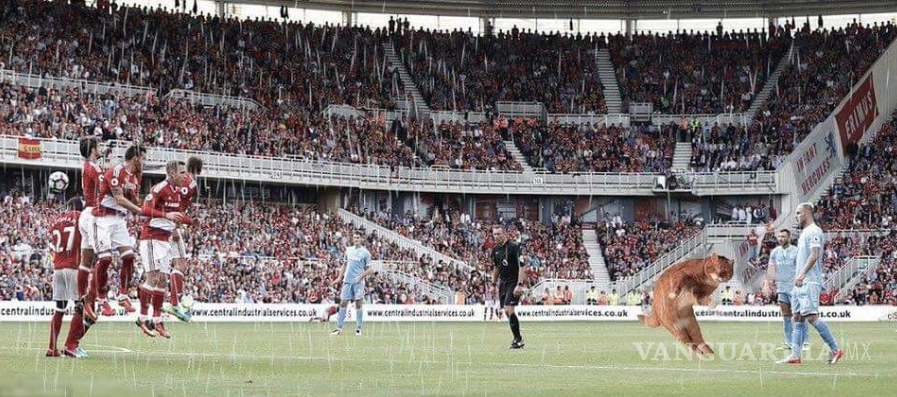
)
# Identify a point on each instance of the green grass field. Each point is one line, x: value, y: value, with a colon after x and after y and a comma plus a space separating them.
x: 410, y: 359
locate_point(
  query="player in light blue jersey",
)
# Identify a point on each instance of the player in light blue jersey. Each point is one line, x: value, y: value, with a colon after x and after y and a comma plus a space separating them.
x: 353, y: 274
x: 808, y: 286
x: 780, y: 277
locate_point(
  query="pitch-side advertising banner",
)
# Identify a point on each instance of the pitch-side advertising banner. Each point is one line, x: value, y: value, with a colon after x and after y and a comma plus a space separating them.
x: 816, y: 159
x: 227, y: 312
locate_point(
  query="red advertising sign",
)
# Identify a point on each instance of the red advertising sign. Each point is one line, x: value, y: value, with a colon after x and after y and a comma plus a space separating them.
x: 29, y: 149
x: 858, y: 113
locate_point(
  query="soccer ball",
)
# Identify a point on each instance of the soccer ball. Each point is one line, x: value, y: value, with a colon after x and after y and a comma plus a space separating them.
x: 59, y: 181
x: 187, y: 302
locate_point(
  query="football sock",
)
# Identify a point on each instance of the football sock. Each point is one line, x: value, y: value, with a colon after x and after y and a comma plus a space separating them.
x: 55, y: 326
x: 176, y: 287
x: 359, y: 318
x: 826, y: 333
x: 515, y: 326
x: 798, y: 338
x: 127, y: 272
x: 342, y: 318
x: 76, y: 330
x: 789, y: 330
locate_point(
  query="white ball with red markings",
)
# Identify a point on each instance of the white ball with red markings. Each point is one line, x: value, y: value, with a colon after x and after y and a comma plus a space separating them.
x: 58, y: 182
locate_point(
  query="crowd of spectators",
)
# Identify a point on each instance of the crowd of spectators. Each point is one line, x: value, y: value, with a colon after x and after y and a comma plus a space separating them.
x: 584, y: 147
x: 866, y: 196
x: 629, y: 247
x: 553, y: 251
x: 462, y: 71
x: 696, y: 73
x: 277, y: 63
x: 247, y: 252
x: 824, y: 67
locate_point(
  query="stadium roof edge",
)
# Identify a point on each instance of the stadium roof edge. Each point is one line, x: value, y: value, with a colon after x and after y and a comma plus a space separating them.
x: 606, y: 9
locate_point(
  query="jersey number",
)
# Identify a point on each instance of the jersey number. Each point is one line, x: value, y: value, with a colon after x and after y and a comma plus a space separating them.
x: 69, y: 241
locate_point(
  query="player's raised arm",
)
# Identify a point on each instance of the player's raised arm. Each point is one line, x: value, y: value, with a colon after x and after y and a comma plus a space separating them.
x: 118, y: 194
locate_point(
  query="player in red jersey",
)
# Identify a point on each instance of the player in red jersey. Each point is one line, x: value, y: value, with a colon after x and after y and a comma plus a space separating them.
x: 119, y: 188
x: 178, y: 253
x: 325, y: 317
x: 90, y: 187
x: 66, y: 242
x: 162, y: 210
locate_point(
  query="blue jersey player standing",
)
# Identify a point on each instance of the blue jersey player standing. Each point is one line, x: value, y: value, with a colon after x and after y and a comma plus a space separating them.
x: 780, y: 275
x: 356, y: 269
x: 808, y: 286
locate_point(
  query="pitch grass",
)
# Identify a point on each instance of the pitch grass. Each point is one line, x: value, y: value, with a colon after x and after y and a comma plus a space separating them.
x: 410, y: 359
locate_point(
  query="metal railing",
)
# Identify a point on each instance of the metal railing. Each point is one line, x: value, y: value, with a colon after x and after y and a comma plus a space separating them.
x: 392, y: 236
x: 721, y: 119
x: 65, y: 154
x: 650, y: 273
x: 89, y: 86
x: 845, y: 279
x: 443, y: 294
x: 522, y: 109
x: 602, y: 119
x: 578, y: 288
x: 213, y: 99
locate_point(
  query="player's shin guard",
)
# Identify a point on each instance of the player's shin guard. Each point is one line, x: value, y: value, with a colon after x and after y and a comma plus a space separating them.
x: 158, y: 296
x: 341, y: 319
x: 127, y: 272
x: 176, y: 287
x: 826, y: 333
x: 789, y: 330
x: 145, y: 295
x: 100, y: 278
x: 55, y: 326
x: 83, y: 279
x: 515, y: 326
x: 798, y: 337
x: 76, y: 330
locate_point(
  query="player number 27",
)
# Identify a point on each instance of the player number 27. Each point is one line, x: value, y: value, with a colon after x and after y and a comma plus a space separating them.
x: 68, y: 231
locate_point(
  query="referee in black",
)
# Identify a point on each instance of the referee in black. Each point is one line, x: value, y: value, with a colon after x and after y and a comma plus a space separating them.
x: 506, y: 259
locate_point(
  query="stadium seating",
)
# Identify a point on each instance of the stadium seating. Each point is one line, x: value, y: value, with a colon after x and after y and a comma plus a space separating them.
x: 866, y: 196
x: 629, y: 247
x: 826, y: 65
x: 687, y: 73
x: 290, y: 65
x: 461, y: 71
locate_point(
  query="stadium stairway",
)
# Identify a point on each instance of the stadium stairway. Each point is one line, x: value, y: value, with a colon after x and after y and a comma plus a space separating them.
x: 442, y: 293
x: 771, y: 82
x: 517, y: 155
x: 391, y: 236
x: 609, y: 79
x: 682, y: 156
x: 596, y: 259
x: 423, y: 111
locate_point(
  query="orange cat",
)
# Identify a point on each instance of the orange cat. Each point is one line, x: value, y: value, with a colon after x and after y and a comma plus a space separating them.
x: 678, y: 289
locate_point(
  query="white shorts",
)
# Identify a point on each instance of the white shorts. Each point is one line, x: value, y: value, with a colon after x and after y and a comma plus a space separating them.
x: 65, y: 285
x: 88, y: 227
x: 155, y: 256
x: 179, y: 248
x: 112, y: 233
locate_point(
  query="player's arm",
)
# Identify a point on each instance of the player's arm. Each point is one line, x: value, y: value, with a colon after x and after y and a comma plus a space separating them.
x: 368, y: 269
x: 149, y: 210
x: 119, y: 195
x: 811, y: 261
x: 770, y: 276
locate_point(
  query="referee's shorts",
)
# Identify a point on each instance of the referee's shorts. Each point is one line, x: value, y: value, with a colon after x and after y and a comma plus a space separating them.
x: 506, y: 293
